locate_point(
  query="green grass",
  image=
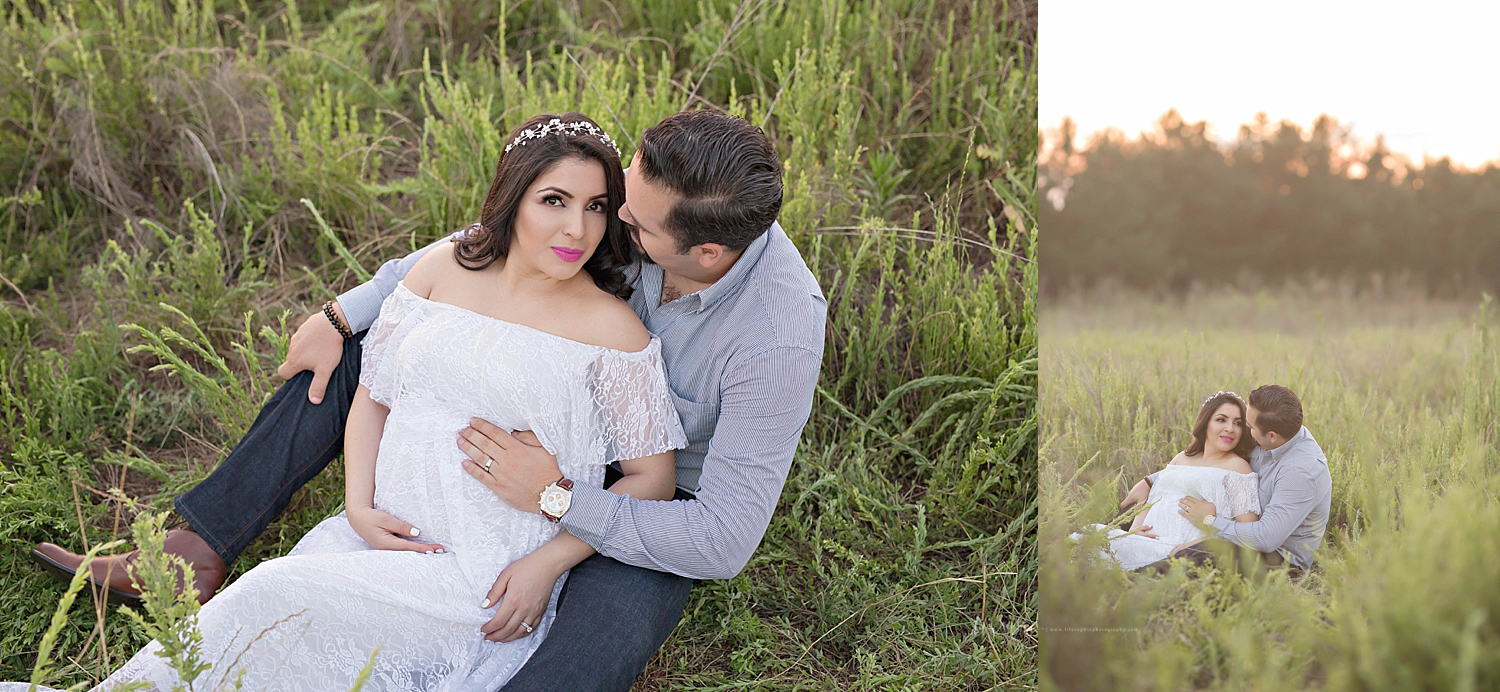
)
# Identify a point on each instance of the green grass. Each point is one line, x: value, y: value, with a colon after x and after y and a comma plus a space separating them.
x: 157, y: 250
x: 1402, y: 395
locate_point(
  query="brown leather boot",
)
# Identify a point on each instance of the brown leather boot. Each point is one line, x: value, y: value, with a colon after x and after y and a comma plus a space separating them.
x: 114, y: 572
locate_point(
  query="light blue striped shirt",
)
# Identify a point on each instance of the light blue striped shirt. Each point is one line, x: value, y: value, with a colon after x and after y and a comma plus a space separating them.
x: 742, y: 358
x: 1296, y: 494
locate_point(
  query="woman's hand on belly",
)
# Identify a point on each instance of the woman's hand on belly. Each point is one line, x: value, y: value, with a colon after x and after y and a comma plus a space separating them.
x: 1143, y: 531
x: 385, y: 532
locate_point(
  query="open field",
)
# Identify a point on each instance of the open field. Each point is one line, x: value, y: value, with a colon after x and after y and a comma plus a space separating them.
x: 1402, y: 393
x: 181, y: 182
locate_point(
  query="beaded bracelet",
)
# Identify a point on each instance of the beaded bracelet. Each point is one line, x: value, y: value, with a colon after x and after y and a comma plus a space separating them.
x: 337, y: 323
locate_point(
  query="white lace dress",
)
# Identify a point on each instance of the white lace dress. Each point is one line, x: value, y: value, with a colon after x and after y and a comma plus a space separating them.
x: 1232, y: 493
x: 310, y: 620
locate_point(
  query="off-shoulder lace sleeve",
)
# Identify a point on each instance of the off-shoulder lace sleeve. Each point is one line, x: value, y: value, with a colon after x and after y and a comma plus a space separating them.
x: 377, y: 368
x: 631, y: 394
x: 1243, y: 491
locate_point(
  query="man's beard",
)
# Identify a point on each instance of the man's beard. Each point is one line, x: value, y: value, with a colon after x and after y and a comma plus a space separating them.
x: 635, y: 244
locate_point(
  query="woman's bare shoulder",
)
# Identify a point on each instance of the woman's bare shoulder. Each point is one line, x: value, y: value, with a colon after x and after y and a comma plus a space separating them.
x: 1237, y: 465
x: 1179, y: 460
x: 610, y: 322
x: 438, y: 264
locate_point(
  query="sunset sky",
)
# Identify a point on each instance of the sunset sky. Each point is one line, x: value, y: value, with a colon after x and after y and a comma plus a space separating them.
x: 1423, y: 74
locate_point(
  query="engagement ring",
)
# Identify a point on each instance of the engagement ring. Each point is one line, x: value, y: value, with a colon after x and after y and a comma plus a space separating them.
x: 528, y: 627
x: 487, y: 462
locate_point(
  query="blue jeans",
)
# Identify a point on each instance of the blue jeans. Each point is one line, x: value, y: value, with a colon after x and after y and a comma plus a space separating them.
x: 611, y: 617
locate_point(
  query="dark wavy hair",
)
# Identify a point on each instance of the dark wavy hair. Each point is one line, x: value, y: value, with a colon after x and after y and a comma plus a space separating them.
x: 514, y: 174
x: 1200, y: 428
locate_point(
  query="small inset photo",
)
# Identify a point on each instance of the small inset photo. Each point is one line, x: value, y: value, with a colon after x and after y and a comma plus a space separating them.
x: 1269, y: 375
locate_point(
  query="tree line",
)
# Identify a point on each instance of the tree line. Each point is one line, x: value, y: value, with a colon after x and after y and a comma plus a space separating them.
x: 1174, y: 208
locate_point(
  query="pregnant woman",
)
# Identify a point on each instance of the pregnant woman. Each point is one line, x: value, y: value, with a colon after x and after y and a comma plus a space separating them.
x: 1215, y: 468
x: 521, y: 323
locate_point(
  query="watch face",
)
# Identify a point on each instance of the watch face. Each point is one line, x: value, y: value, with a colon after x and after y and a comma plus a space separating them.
x: 555, y: 500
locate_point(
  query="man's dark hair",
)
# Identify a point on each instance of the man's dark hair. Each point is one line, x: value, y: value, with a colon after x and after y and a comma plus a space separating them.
x: 514, y: 174
x: 1280, y: 411
x: 724, y: 169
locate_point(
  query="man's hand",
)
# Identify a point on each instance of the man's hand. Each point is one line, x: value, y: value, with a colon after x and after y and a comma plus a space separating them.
x: 522, y: 590
x: 1138, y: 494
x: 1195, y: 509
x: 522, y: 468
x: 318, y: 347
x: 385, y: 532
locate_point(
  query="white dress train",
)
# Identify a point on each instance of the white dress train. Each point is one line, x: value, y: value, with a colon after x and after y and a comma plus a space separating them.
x: 310, y: 620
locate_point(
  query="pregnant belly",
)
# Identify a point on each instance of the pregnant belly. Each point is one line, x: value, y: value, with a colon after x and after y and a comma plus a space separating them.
x: 1169, y: 525
x: 419, y: 478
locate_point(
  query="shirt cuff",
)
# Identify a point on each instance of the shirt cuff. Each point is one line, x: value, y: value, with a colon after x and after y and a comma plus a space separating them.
x: 361, y: 305
x: 590, y: 514
x: 1222, y: 524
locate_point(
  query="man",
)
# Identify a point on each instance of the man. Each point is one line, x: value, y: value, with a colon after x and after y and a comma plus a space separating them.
x: 1295, y: 492
x: 741, y: 323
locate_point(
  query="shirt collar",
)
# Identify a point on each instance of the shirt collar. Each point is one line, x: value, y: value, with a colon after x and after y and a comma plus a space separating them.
x: 1280, y: 452
x: 731, y: 279
x: 647, y: 287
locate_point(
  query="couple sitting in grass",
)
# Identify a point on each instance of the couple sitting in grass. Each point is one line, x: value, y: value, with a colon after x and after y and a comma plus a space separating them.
x: 617, y: 317
x: 1254, y: 478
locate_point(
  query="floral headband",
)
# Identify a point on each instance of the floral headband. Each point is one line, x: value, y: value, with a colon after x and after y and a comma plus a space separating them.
x: 557, y: 126
x: 1222, y: 393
